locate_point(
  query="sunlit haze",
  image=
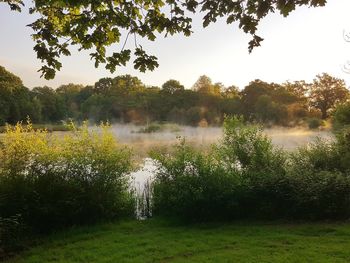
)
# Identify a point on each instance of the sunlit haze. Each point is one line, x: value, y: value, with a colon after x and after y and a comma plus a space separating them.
x: 308, y: 42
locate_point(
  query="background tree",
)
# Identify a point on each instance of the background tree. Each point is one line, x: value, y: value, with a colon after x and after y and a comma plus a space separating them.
x: 300, y: 89
x: 70, y: 95
x: 205, y: 85
x: 270, y: 112
x: 230, y: 92
x: 52, y: 104
x: 172, y: 87
x: 127, y: 84
x: 103, y: 85
x: 250, y: 95
x: 327, y: 91
x: 16, y: 102
x: 126, y: 99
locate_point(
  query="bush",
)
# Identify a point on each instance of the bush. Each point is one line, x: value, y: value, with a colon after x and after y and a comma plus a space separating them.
x: 314, y: 123
x: 245, y: 150
x: 246, y: 177
x: 52, y: 181
x: 241, y: 177
x: 341, y: 116
x: 190, y: 185
x: 320, y: 177
x: 11, y: 234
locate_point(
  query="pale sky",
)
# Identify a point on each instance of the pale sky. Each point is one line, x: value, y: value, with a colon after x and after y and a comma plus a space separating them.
x: 308, y: 42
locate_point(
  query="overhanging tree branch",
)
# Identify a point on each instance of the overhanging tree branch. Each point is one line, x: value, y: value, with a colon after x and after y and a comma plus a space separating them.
x: 96, y: 25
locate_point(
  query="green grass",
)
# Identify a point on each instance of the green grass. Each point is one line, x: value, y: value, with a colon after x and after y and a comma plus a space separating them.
x: 158, y: 241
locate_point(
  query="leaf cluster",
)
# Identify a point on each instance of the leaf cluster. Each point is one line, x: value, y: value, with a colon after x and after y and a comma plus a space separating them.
x: 95, y: 25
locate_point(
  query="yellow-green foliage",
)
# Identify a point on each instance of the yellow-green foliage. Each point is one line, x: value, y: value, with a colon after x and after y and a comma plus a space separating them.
x: 21, y: 145
x: 53, y: 180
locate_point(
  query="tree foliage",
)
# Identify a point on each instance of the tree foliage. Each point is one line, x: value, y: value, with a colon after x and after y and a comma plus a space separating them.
x: 326, y: 92
x: 341, y: 116
x: 54, y: 181
x: 126, y: 99
x: 172, y: 86
x: 16, y: 102
x: 204, y: 85
x: 95, y: 25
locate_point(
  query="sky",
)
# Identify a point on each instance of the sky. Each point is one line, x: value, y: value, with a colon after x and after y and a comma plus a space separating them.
x: 306, y: 43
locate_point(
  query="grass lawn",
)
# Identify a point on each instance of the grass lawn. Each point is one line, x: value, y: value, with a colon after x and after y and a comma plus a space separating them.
x: 158, y: 241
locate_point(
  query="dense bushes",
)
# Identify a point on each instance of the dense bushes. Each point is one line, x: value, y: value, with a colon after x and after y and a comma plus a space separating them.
x: 11, y: 234
x: 185, y: 185
x: 50, y: 182
x: 245, y: 176
x: 341, y: 116
x: 241, y: 177
x: 320, y: 175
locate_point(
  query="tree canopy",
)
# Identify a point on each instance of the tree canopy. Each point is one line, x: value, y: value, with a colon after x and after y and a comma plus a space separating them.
x: 126, y: 99
x: 95, y: 25
x: 326, y: 92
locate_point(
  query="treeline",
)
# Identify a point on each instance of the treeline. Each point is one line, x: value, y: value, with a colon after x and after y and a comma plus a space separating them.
x: 126, y: 99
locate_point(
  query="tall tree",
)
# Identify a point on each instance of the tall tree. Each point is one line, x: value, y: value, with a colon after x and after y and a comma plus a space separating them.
x: 103, y: 85
x: 16, y: 102
x: 70, y: 95
x: 300, y: 89
x: 172, y: 86
x: 53, y: 107
x: 127, y: 84
x: 327, y: 91
x: 230, y: 92
x: 250, y: 95
x: 205, y: 85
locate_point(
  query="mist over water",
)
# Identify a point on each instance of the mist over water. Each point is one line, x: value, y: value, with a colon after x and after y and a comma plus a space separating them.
x: 292, y: 138
x: 141, y: 143
x: 288, y: 138
x: 129, y: 134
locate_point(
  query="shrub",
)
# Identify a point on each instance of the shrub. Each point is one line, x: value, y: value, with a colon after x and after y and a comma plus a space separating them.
x: 241, y: 177
x: 245, y: 176
x: 53, y: 181
x: 248, y: 149
x: 320, y: 177
x: 341, y: 116
x: 190, y: 185
x: 11, y: 233
x: 314, y: 123
x: 343, y: 150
